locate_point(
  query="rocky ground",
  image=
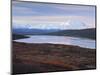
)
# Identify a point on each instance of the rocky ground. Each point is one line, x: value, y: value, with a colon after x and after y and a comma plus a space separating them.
x: 39, y: 58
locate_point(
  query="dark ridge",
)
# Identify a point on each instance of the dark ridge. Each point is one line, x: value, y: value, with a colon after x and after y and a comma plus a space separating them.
x: 85, y: 33
x: 17, y: 36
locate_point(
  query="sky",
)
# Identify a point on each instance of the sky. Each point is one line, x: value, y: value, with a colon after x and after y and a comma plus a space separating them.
x: 52, y: 16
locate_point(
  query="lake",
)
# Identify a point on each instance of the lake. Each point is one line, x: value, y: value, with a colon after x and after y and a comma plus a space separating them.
x: 66, y: 40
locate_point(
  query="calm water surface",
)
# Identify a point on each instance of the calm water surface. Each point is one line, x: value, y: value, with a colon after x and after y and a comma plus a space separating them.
x: 66, y: 40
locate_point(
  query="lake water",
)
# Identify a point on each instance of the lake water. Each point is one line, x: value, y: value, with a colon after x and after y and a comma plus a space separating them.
x: 66, y: 40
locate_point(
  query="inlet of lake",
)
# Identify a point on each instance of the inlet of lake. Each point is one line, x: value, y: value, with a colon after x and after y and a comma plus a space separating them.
x: 66, y: 40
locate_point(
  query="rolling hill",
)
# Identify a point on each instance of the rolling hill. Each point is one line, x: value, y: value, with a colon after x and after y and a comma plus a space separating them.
x: 17, y: 36
x: 85, y: 33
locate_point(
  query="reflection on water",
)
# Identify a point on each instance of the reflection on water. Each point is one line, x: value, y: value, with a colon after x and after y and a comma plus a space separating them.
x: 82, y: 42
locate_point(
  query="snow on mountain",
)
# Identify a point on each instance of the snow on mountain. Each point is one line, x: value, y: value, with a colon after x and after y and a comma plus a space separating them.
x: 65, y: 25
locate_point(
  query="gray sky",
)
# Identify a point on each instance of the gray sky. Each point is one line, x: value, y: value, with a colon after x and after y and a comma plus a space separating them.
x: 52, y: 16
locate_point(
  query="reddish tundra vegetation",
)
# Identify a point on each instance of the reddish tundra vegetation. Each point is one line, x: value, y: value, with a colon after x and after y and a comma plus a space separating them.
x: 39, y: 58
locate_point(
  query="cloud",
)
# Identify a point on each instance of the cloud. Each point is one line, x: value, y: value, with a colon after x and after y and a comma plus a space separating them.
x: 52, y: 20
x: 52, y: 15
x: 53, y: 9
x: 20, y: 11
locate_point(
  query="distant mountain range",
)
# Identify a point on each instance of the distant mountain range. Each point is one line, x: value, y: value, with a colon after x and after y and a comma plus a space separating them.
x: 85, y: 33
x: 26, y: 31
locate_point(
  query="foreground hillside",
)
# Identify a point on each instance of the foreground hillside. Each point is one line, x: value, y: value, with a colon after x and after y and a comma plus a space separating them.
x: 36, y: 58
x: 86, y: 33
